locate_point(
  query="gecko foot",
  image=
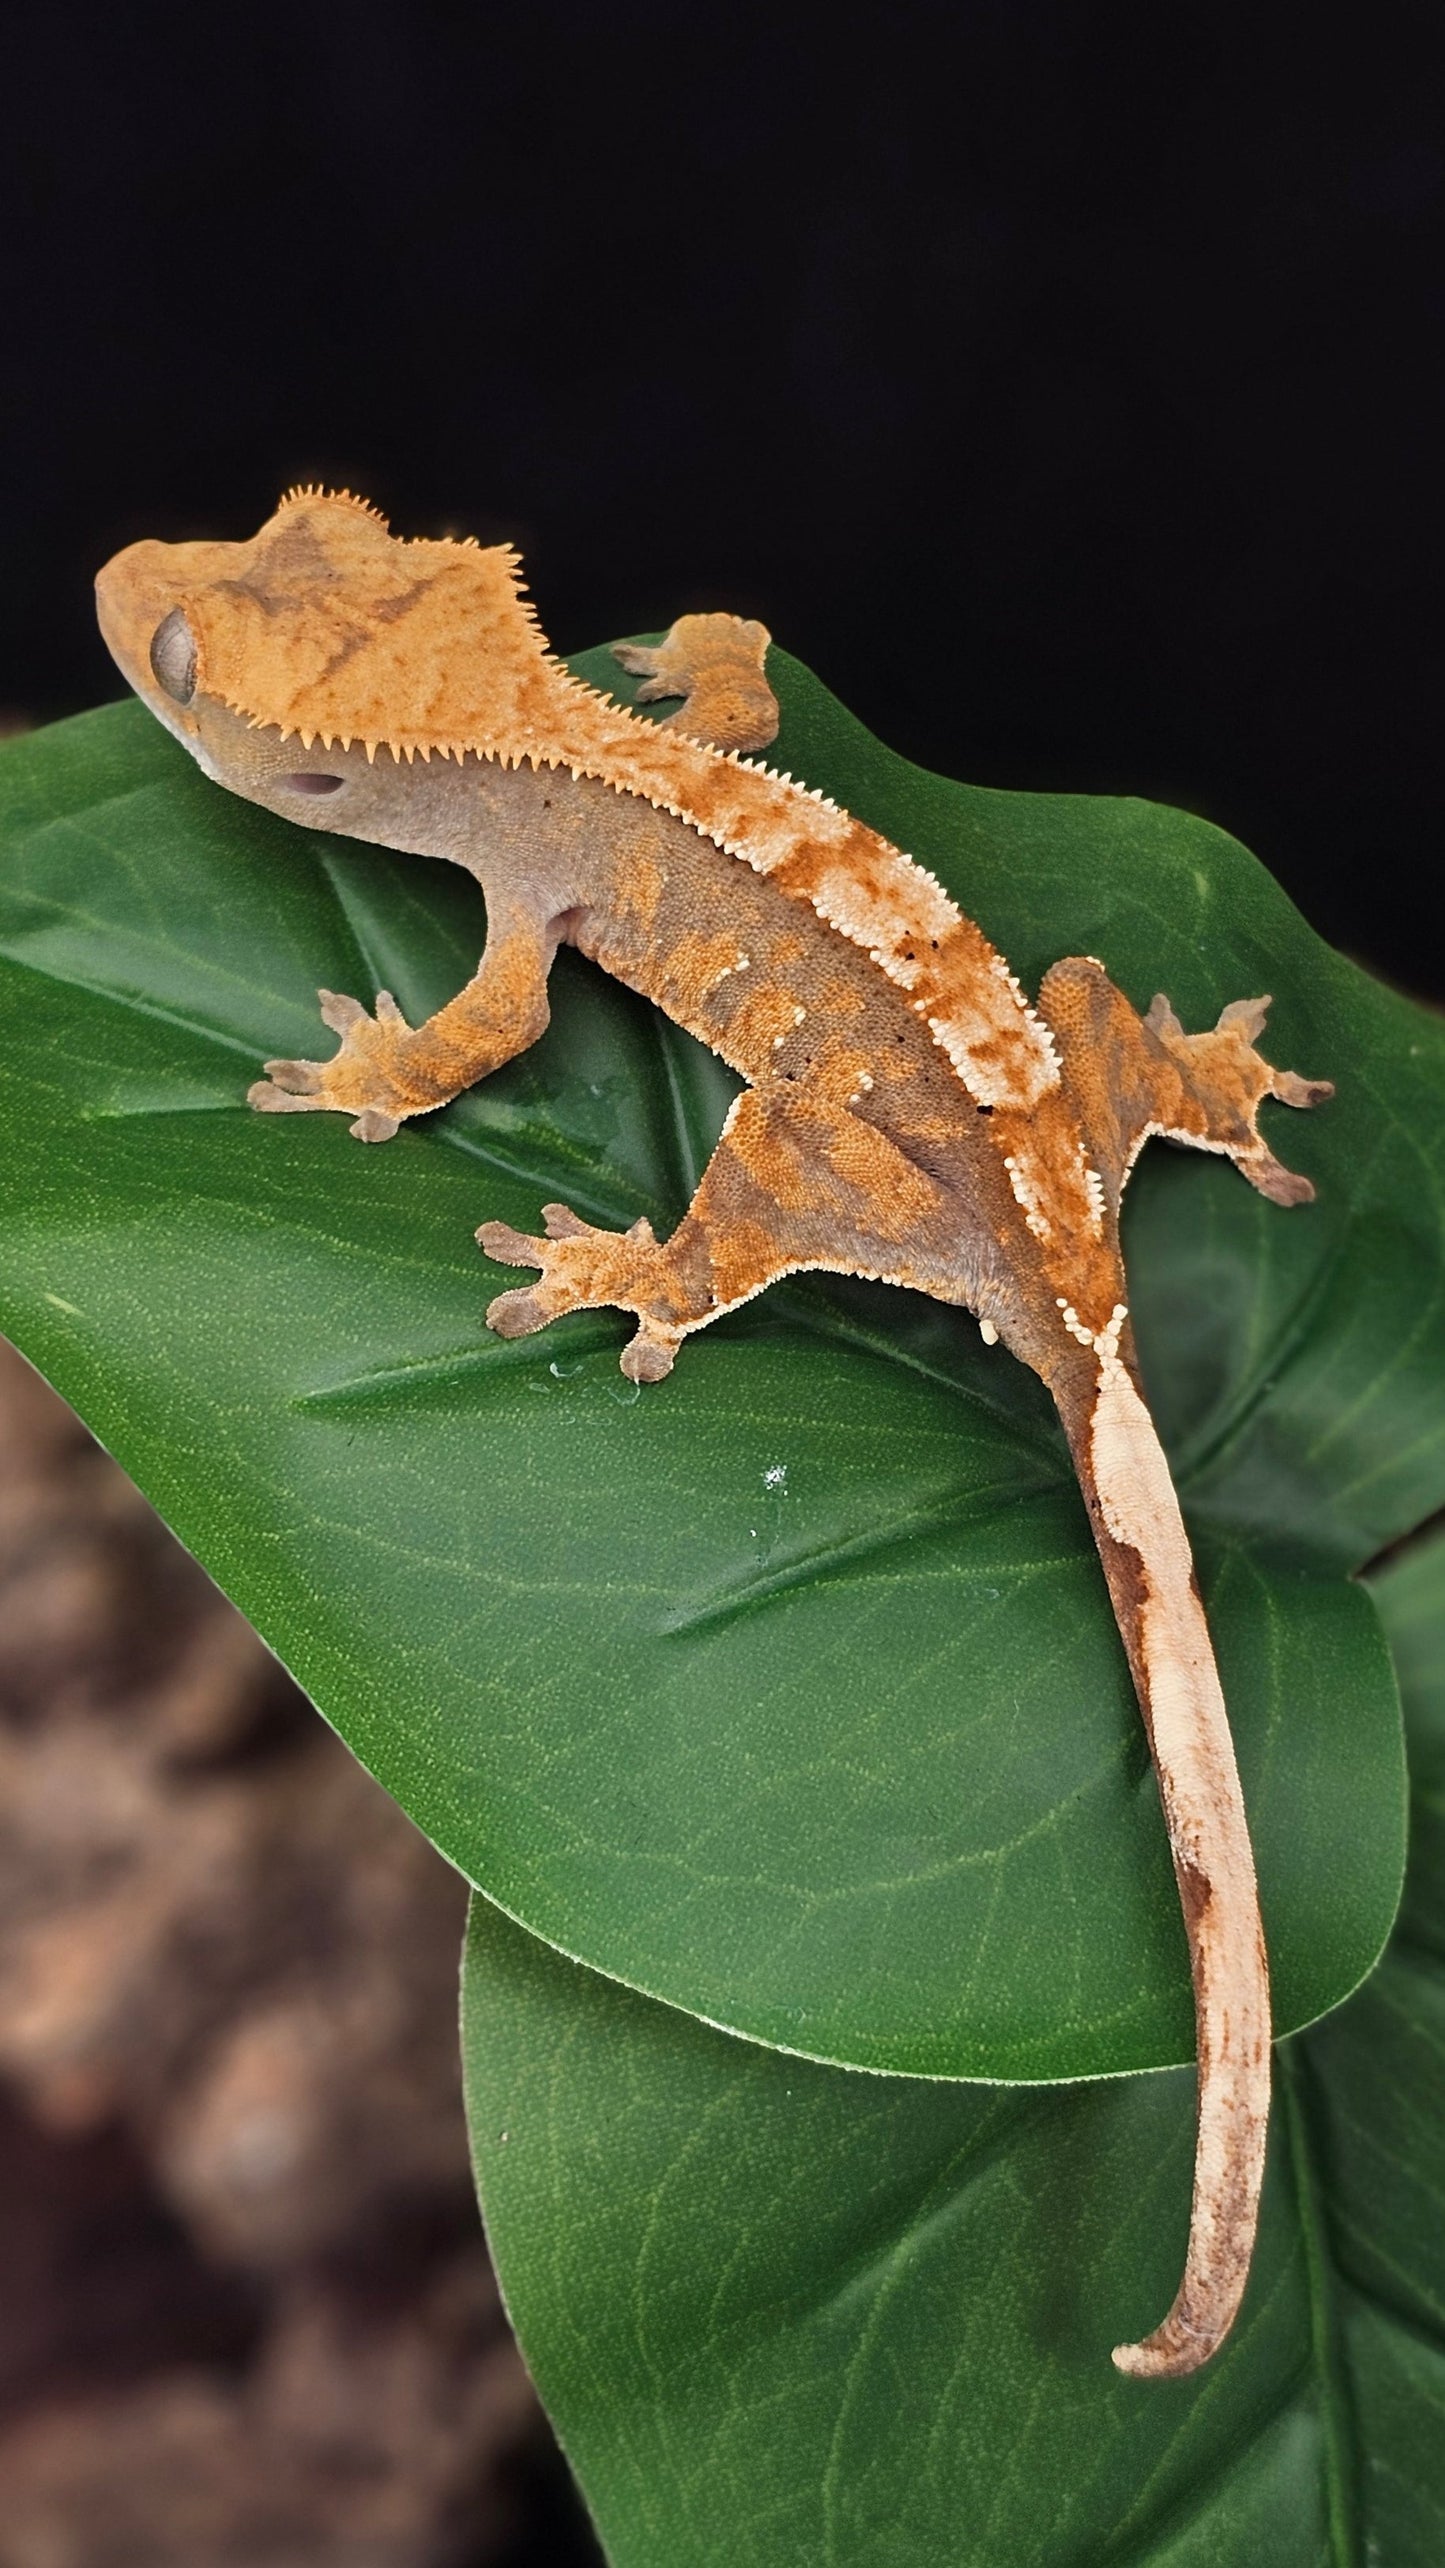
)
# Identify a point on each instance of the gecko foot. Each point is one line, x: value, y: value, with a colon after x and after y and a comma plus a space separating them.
x: 365, y: 1079
x: 1227, y: 1080
x: 585, y: 1269
x: 715, y: 662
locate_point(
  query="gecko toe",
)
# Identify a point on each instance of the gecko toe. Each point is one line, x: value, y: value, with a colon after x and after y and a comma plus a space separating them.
x: 514, y: 1315
x: 1248, y: 1015
x: 648, y: 1356
x: 338, y: 1011
x: 639, y: 659
x: 301, y: 1078
x: 1291, y: 1090
x: 372, y: 1124
x: 271, y: 1100
x: 508, y: 1247
x: 1281, y: 1185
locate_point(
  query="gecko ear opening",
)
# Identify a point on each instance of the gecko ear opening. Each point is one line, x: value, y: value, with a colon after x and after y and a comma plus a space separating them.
x: 173, y: 657
x: 309, y: 783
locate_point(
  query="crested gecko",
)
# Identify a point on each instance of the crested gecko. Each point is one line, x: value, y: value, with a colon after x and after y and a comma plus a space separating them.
x: 907, y: 1115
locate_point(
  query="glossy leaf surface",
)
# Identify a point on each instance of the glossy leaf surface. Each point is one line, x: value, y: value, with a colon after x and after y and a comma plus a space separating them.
x: 788, y: 2318
x: 786, y: 1690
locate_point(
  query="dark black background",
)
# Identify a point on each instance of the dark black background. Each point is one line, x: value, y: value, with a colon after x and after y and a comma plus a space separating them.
x: 1062, y: 381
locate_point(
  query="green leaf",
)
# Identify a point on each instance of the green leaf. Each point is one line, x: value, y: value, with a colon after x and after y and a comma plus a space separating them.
x: 783, y: 2316
x: 787, y: 1690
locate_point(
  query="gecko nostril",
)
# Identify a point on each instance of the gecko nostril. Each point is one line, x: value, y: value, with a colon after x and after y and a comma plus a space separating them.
x: 313, y: 784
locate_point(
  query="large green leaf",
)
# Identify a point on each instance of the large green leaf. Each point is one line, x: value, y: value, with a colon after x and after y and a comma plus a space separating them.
x: 787, y: 1690
x: 788, y: 2318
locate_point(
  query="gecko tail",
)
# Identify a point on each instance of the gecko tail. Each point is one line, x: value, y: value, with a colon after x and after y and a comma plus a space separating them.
x: 1145, y: 1552
x: 1178, y: 2346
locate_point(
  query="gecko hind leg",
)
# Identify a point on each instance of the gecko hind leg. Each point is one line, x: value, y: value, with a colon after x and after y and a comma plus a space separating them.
x: 1131, y: 1076
x: 1225, y: 1081
x: 715, y: 663
x: 789, y: 1185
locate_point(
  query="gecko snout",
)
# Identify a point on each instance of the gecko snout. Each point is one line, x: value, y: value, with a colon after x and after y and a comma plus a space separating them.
x: 147, y: 631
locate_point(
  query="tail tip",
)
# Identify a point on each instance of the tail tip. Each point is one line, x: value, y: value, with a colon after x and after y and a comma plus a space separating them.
x: 1171, y: 2353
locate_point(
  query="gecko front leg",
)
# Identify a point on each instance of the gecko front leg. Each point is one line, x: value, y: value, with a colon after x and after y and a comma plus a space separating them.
x: 387, y: 1071
x: 715, y: 662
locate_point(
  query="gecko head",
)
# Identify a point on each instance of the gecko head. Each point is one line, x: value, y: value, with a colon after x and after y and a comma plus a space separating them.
x: 324, y: 631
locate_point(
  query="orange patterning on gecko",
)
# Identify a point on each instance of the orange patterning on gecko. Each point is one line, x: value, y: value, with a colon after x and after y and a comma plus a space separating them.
x: 907, y: 1114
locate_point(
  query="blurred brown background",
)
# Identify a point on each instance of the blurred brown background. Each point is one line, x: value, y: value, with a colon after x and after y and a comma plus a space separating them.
x: 247, y: 2318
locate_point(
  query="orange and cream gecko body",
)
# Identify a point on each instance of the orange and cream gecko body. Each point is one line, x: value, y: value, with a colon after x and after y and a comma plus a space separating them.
x: 908, y: 1115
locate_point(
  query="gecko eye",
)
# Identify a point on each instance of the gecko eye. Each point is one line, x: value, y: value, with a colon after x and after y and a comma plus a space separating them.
x: 313, y: 784
x: 173, y: 657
